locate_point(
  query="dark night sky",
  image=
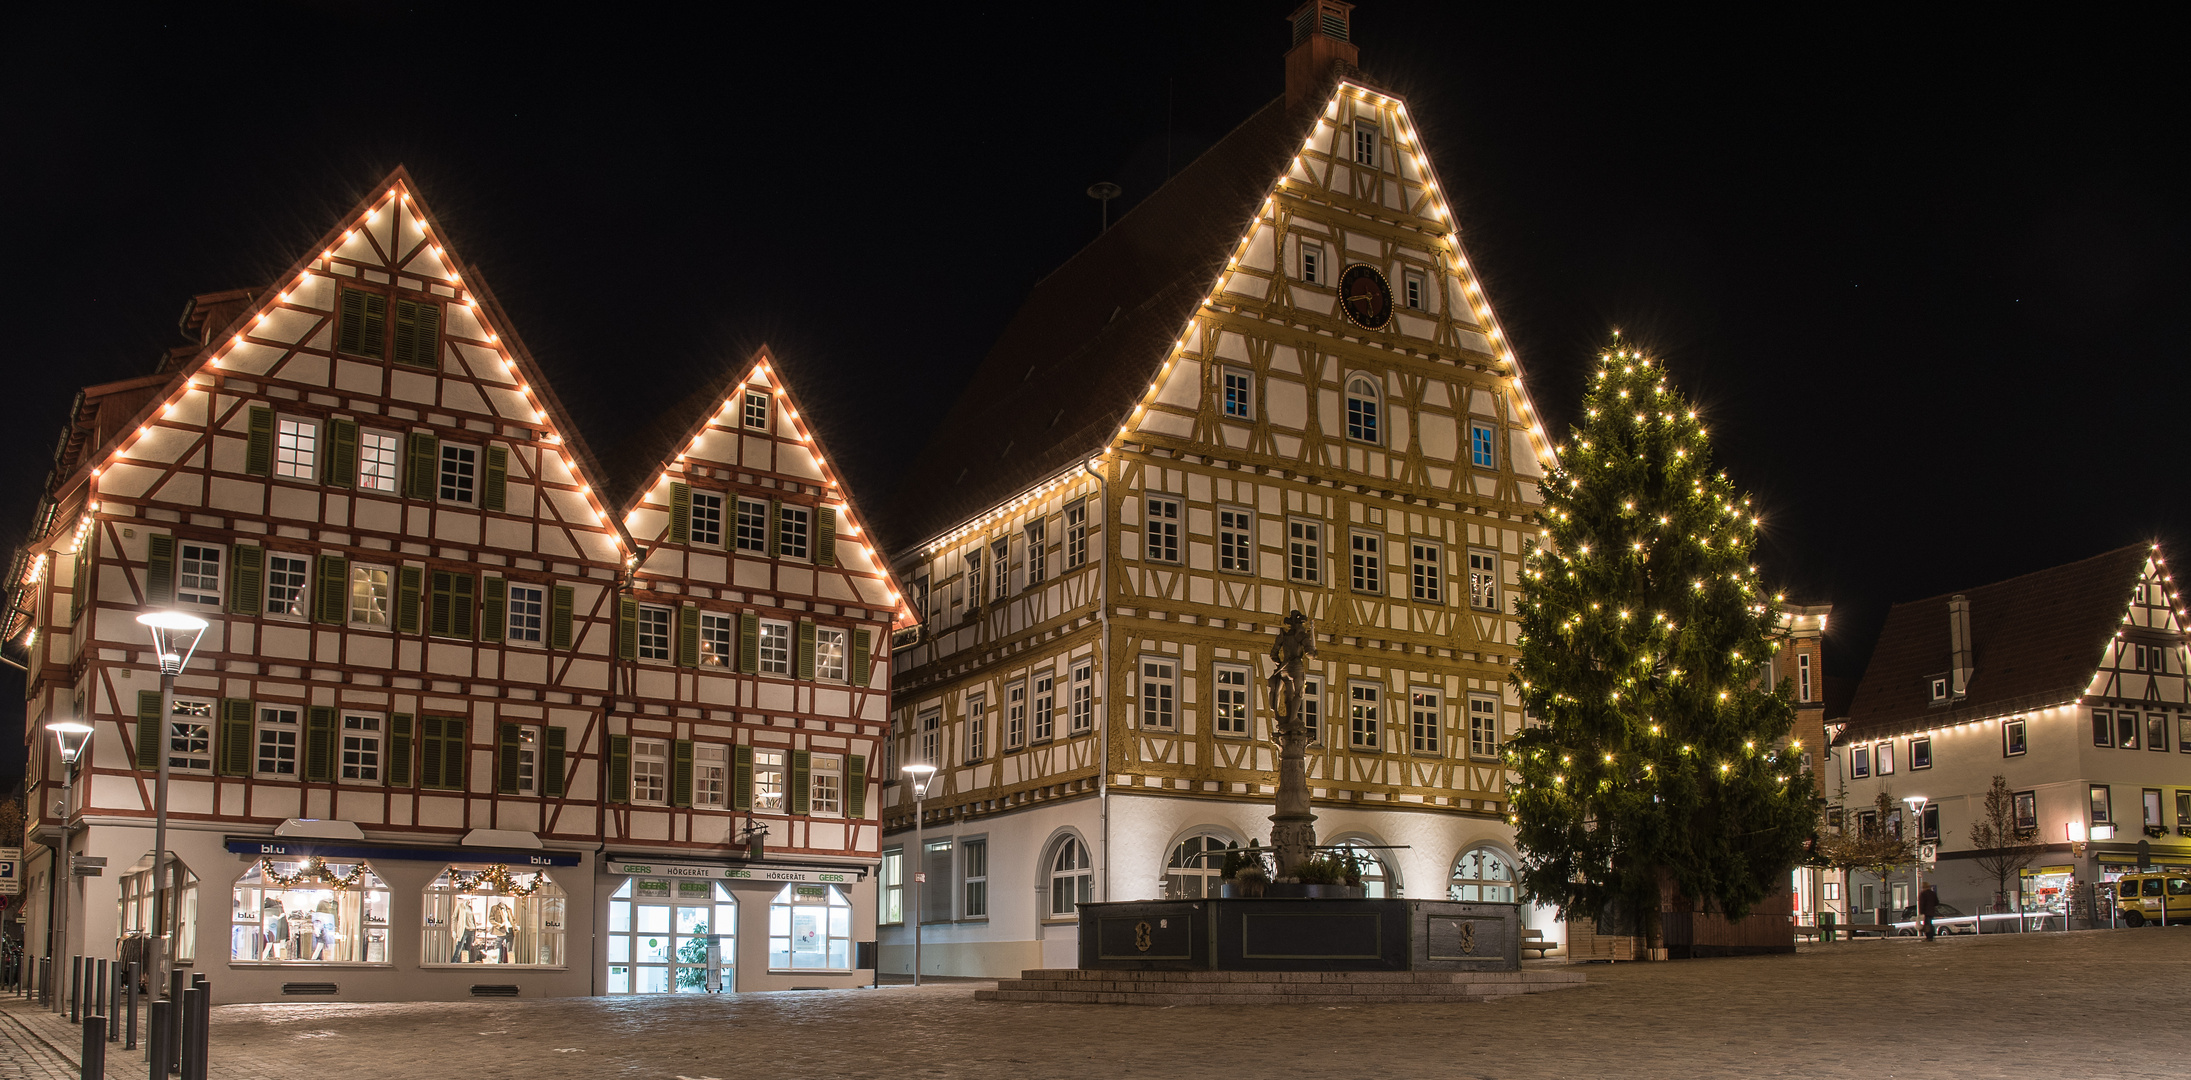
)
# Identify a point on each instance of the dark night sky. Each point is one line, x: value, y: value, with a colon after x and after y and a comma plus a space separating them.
x: 1927, y: 278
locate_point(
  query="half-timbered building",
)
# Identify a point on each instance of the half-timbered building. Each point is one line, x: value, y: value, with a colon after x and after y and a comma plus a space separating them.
x: 1276, y: 384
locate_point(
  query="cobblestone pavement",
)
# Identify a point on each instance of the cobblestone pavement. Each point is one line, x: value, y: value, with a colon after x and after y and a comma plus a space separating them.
x: 2087, y: 1004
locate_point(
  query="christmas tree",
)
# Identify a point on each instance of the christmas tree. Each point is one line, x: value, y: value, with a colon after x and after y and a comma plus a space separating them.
x: 1655, y: 768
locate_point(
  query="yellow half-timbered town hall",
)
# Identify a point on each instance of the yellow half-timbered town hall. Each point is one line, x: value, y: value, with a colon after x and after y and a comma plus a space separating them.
x: 1275, y: 385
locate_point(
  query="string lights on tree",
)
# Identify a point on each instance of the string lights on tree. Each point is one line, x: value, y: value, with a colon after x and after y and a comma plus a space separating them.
x: 1657, y: 769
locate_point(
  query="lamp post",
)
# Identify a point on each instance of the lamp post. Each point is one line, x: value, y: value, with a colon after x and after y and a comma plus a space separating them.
x: 1917, y: 865
x: 74, y: 736
x: 175, y: 637
x: 920, y: 775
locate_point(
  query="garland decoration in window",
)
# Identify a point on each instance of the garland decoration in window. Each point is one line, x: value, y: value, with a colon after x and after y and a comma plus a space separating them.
x: 314, y: 870
x: 496, y: 878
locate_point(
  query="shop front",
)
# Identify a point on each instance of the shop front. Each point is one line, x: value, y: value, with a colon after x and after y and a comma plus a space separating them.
x: 688, y: 928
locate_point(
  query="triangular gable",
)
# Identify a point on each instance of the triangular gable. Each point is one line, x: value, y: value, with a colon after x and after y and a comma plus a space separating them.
x: 786, y: 450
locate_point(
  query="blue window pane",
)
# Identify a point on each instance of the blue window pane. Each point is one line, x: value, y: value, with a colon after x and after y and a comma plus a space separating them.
x: 1480, y: 452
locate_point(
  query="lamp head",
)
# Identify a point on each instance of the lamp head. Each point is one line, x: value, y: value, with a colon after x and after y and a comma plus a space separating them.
x: 175, y: 637
x: 2076, y: 832
x: 920, y: 775
x: 1915, y: 801
x: 73, y: 737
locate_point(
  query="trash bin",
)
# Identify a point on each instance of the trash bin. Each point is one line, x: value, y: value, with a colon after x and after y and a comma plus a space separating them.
x: 864, y: 955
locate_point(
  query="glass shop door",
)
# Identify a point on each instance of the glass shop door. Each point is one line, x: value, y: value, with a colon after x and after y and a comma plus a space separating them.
x: 660, y: 934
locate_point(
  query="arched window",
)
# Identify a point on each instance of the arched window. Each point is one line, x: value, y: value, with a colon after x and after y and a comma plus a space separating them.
x: 138, y: 907
x: 1362, y: 400
x: 1377, y: 878
x: 1192, y: 873
x: 810, y: 927
x: 1483, y: 873
x: 1072, y: 878
x: 486, y: 914
x: 305, y: 911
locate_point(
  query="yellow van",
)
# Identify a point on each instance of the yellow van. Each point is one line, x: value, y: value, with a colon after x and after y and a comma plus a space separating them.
x: 2161, y: 898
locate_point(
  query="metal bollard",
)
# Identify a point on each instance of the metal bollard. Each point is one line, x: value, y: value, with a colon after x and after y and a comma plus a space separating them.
x: 129, y: 1005
x: 95, y: 1048
x: 75, y: 989
x: 156, y: 1029
x: 45, y: 980
x: 98, y: 994
x: 176, y: 980
x: 111, y: 986
x: 194, y: 1032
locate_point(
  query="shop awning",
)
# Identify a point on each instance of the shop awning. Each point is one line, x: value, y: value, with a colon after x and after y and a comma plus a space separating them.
x: 290, y: 848
x: 655, y: 866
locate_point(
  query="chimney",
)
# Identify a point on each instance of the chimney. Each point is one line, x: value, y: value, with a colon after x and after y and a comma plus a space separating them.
x: 1959, y: 646
x: 1323, y: 49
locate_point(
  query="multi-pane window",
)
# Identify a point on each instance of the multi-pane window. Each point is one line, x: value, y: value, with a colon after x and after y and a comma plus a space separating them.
x: 793, y: 525
x: 2012, y: 738
x: 892, y: 880
x: 653, y: 632
x: 1482, y: 450
x: 1236, y: 399
x: 1920, y: 753
x: 974, y: 874
x: 1015, y: 716
x: 528, y: 606
x: 1362, y: 402
x: 1158, y: 693
x: 379, y: 453
x: 650, y: 771
x: 1803, y: 677
x: 1483, y: 580
x: 829, y: 654
x: 2156, y: 732
x: 1425, y: 576
x: 459, y: 473
x: 752, y: 525
x: 1424, y: 721
x: 1083, y: 702
x: 755, y: 411
x: 197, y: 573
x: 1163, y: 527
x: 710, y: 775
x: 1860, y: 762
x: 1038, y: 560
x: 973, y: 578
x: 931, y: 722
x: 1312, y: 708
x: 977, y: 728
x: 286, y: 576
x: 296, y: 449
x: 1883, y: 759
x: 1414, y: 290
x: 1231, y: 704
x: 775, y: 647
x: 825, y: 785
x: 1305, y: 551
x: 1312, y: 263
x: 1365, y: 557
x: 1362, y: 730
x: 1045, y: 707
x: 2027, y: 809
x: 277, y: 741
x: 1000, y: 576
x: 1365, y: 144
x: 1235, y: 541
x: 361, y: 747
x: 528, y: 760
x: 1072, y: 878
x: 2103, y: 805
x: 1076, y: 534
x: 707, y: 518
x: 368, y: 595
x: 1483, y: 727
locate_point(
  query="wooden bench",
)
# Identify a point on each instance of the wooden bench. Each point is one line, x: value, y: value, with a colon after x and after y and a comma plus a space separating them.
x: 1534, y: 939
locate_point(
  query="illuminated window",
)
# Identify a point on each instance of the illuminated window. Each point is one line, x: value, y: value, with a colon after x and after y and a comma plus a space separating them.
x: 810, y: 928
x: 1483, y: 727
x: 190, y: 736
x: 369, y: 593
x: 768, y: 781
x: 306, y: 910
x: 710, y: 776
x: 1483, y: 580
x: 296, y: 449
x: 1425, y: 720
x: 378, y: 454
x: 1362, y: 701
x: 1231, y: 705
x: 286, y: 578
x: 481, y: 913
x: 775, y: 647
x: 650, y: 772
x: 197, y: 574
x: 1483, y: 875
x: 825, y: 785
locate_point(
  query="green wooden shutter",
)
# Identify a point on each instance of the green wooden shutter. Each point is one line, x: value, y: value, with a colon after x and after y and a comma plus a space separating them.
x: 418, y: 333
x: 405, y: 344
x: 234, y: 751
x: 463, y: 604
x: 620, y: 768
x: 775, y: 527
x: 680, y: 774
x: 551, y: 763
x: 439, y: 604
x: 559, y: 630
x: 246, y: 578
x: 494, y: 604
x: 511, y: 744
x: 399, y: 750
x: 627, y: 628
x: 350, y: 333
x: 680, y: 513
x: 159, y: 569
x: 425, y: 465
x: 409, y: 583
x: 802, y: 772
x: 806, y: 649
x: 455, y: 748
x: 749, y: 643
x: 741, y: 778
x: 688, y: 636
x: 79, y: 590
x: 429, y: 751
x: 319, y: 743
x: 331, y: 596
x: 855, y: 786
x: 863, y: 672
x: 258, y: 451
x: 340, y: 467
x: 494, y: 494
x: 148, y: 729
x: 825, y: 536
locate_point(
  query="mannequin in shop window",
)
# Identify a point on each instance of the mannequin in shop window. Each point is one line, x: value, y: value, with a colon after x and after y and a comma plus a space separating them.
x: 463, y: 926
x: 274, y: 927
x: 501, y: 924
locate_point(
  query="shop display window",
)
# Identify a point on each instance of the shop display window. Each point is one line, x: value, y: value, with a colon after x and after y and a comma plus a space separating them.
x: 309, y: 911
x: 489, y: 914
x: 139, y: 915
x: 809, y: 928
x: 659, y: 933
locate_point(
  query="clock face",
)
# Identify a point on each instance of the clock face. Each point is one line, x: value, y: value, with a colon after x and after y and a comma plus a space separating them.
x: 1365, y: 297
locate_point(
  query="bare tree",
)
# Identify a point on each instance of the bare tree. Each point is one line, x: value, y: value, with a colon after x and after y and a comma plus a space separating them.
x: 11, y: 822
x: 2003, y: 847
x: 1876, y: 846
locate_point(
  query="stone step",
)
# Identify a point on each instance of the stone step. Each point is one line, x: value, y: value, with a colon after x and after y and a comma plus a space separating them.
x: 1535, y: 975
x: 1278, y: 989
x: 1071, y: 986
x: 1085, y: 997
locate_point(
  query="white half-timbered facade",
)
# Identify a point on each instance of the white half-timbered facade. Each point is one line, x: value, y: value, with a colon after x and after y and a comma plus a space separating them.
x: 1188, y: 432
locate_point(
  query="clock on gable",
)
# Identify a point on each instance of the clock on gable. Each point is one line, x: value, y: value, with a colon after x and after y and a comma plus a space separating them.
x: 1365, y: 297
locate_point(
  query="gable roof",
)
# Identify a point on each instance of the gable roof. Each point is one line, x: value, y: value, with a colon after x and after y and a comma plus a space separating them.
x: 1090, y: 336
x: 2035, y: 641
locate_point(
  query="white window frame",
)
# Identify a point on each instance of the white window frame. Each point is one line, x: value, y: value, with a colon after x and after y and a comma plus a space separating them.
x: 1425, y: 721
x: 371, y: 584
x: 1236, y: 392
x: 197, y: 565
x: 380, y: 461
x: 1803, y: 677
x: 359, y: 756
x: 656, y: 639
x: 753, y: 410
x: 1042, y: 724
x: 1000, y: 577
x: 1232, y: 708
x: 771, y: 769
x: 1415, y: 290
x: 1071, y: 879
x: 1483, y: 444
x: 794, y: 532
x: 1235, y: 540
x: 1917, y: 743
x: 891, y: 879
x: 528, y: 759
x: 1158, y: 679
x: 1312, y: 261
x: 1161, y: 525
x: 1312, y: 707
x: 831, y: 653
x: 288, y: 591
x: 974, y: 878
x: 2015, y: 738
x: 1426, y: 571
x: 649, y: 771
x: 1365, y: 716
x: 977, y: 728
x: 825, y: 784
x: 1076, y: 533
x: 269, y: 727
x: 296, y: 449
x: 972, y: 576
x: 526, y: 620
x: 710, y: 776
x: 1364, y: 411
x: 776, y: 647
x: 1015, y: 714
x: 1882, y: 763
x: 751, y: 526
x: 190, y: 735
x: 1037, y: 533
x: 1483, y: 579
x: 1365, y: 143
x: 1305, y: 551
x: 931, y: 727
x: 704, y: 518
x: 1365, y: 561
x: 1082, y: 718
x: 1483, y: 727
x: 456, y: 474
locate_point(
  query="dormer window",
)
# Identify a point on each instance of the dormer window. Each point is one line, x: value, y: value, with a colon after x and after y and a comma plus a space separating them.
x: 1939, y: 689
x: 756, y: 410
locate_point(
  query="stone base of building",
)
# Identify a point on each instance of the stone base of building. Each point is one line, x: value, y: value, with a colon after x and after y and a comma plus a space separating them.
x: 1071, y: 986
x: 1299, y: 935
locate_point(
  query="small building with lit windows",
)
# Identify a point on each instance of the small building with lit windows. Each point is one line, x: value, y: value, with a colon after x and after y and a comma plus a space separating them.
x: 2070, y: 684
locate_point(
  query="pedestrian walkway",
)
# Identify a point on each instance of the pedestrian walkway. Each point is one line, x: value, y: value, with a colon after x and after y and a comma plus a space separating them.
x: 2083, y: 1004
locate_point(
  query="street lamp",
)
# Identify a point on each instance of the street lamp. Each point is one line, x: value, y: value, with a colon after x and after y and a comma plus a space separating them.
x: 175, y: 637
x: 1917, y: 865
x: 73, y: 736
x: 920, y: 775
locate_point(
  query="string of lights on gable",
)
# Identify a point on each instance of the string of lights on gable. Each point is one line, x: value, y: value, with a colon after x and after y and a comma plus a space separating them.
x: 399, y: 202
